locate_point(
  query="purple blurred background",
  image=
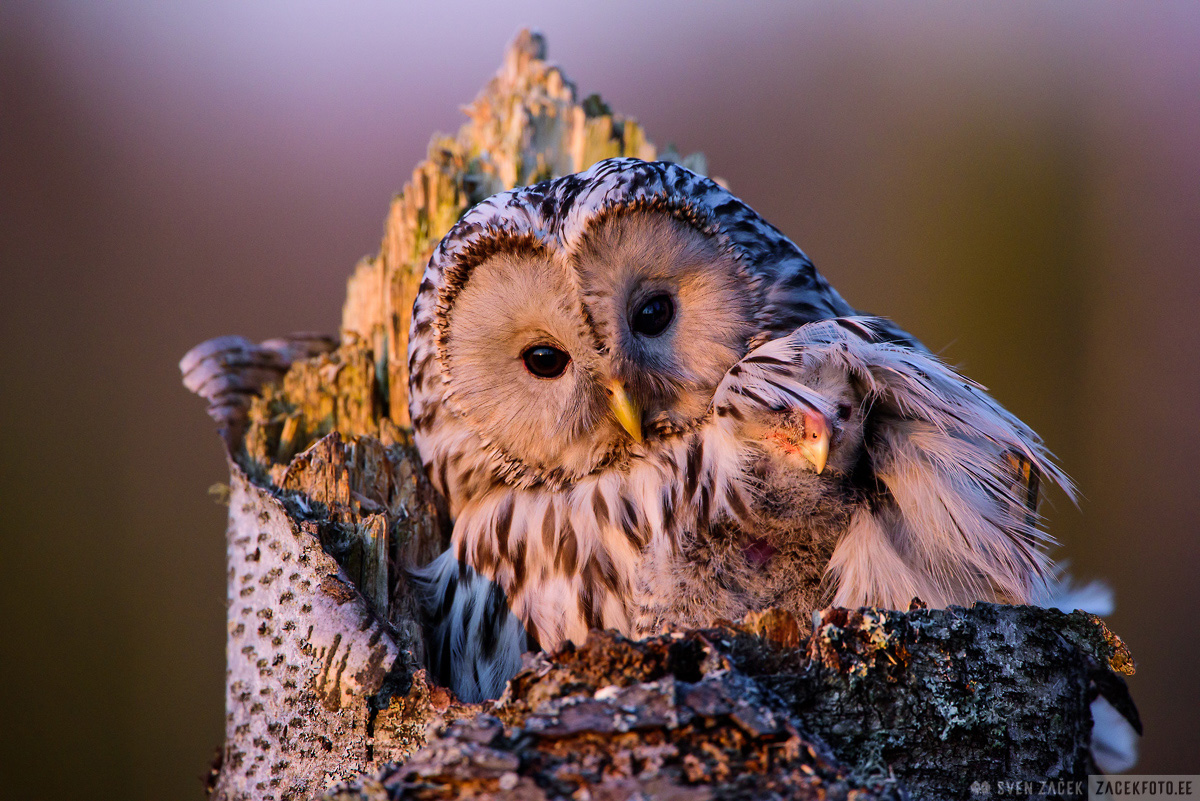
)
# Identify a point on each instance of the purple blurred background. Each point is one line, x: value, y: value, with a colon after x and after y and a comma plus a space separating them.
x: 1018, y: 184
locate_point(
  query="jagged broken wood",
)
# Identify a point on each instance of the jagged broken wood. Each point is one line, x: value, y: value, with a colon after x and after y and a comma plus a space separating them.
x: 329, y: 505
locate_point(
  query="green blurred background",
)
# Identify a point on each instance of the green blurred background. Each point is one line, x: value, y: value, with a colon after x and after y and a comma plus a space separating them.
x: 1018, y: 184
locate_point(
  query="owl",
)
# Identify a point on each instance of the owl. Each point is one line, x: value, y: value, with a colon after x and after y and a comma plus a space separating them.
x: 614, y: 378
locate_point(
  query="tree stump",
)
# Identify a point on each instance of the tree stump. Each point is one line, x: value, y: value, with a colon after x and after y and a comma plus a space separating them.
x: 328, y: 506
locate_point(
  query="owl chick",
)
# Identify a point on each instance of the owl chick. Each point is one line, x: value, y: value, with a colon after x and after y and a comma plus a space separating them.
x: 614, y: 368
x: 876, y: 475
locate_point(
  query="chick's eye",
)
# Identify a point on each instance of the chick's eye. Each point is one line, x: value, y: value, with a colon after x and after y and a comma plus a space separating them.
x: 654, y: 316
x: 546, y: 362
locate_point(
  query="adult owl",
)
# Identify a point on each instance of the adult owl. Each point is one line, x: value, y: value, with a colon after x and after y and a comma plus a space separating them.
x: 599, y: 364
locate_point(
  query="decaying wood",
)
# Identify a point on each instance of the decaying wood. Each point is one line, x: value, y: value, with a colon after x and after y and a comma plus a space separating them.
x: 930, y: 701
x: 378, y: 516
x: 670, y: 717
x: 229, y: 372
x: 305, y: 656
x: 329, y: 506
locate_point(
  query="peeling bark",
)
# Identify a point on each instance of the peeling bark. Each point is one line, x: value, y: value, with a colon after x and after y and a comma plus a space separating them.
x: 304, y: 656
x: 229, y: 372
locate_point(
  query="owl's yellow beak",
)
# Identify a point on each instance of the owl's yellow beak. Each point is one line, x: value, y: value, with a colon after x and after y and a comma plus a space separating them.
x: 628, y: 413
x: 811, y: 442
x: 815, y: 442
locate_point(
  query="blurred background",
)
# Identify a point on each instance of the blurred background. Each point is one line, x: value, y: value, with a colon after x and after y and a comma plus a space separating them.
x: 1018, y: 184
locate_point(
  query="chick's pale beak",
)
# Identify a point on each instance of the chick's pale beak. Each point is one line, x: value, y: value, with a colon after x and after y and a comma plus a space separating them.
x: 628, y: 413
x: 814, y: 442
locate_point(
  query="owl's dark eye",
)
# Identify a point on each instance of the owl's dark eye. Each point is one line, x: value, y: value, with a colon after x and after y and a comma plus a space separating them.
x: 546, y: 362
x: 654, y: 316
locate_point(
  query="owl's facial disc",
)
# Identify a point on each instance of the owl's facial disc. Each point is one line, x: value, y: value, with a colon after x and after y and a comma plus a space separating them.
x: 523, y: 366
x: 671, y: 308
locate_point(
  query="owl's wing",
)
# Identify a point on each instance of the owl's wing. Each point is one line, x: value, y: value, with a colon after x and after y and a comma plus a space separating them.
x: 946, y: 515
x: 1027, y: 478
